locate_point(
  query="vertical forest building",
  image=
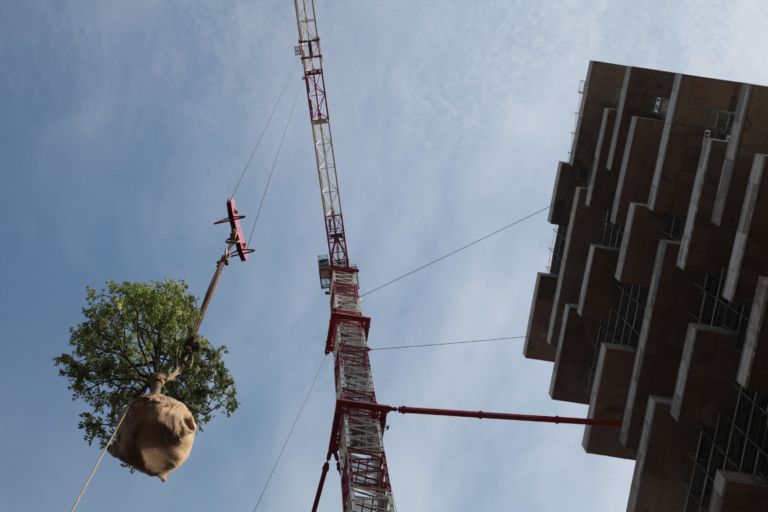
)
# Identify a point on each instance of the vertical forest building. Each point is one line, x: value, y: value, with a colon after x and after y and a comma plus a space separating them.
x: 653, y: 307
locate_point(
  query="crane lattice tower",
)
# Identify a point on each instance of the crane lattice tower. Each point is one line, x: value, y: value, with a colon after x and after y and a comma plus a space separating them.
x: 356, y: 434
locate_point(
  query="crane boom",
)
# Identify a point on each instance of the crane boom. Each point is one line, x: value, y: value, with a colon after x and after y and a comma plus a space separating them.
x: 312, y: 60
x: 356, y: 433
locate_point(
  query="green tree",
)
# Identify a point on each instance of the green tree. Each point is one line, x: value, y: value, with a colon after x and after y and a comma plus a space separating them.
x: 129, y: 332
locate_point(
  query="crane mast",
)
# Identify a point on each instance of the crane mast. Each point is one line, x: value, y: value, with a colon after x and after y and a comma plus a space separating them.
x: 357, y: 433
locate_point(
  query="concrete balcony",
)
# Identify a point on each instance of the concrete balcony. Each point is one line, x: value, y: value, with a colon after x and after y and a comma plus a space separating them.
x: 536, y: 346
x: 601, y: 90
x: 738, y: 492
x: 568, y: 178
x: 663, y: 461
x: 748, y: 136
x: 574, y: 358
x: 602, y: 183
x: 753, y: 365
x: 598, y: 289
x: 749, y: 258
x: 709, y: 362
x: 672, y: 300
x: 705, y: 247
x: 637, y: 166
x: 637, y: 254
x: 609, y: 394
x: 692, y: 105
x: 584, y: 228
x: 638, y: 96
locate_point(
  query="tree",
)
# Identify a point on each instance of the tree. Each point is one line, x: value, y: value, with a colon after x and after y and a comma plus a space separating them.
x: 131, y: 331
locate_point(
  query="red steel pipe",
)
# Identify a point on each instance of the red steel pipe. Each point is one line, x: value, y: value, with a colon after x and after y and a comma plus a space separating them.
x: 479, y: 414
x: 507, y: 416
x: 320, y: 487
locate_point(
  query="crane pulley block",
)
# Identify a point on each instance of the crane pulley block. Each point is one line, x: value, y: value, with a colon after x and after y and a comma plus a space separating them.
x: 236, y: 238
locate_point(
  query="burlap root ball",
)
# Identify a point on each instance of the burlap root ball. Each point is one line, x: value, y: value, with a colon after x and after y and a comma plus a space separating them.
x: 156, y: 435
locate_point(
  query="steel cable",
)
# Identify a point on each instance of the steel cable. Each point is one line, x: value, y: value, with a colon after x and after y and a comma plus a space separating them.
x: 397, y: 347
x: 489, y: 235
x: 264, y: 129
x: 290, y: 433
x: 274, y: 164
x: 101, y: 456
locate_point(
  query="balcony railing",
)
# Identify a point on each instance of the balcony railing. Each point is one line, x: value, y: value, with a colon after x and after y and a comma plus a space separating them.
x: 738, y: 443
x: 612, y: 233
x: 557, y: 248
x: 673, y: 227
x: 717, y: 311
x: 623, y: 324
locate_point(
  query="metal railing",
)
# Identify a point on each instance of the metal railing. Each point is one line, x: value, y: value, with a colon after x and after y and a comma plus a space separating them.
x: 557, y: 248
x: 623, y: 324
x: 673, y: 227
x: 717, y: 311
x: 738, y: 443
x: 612, y: 233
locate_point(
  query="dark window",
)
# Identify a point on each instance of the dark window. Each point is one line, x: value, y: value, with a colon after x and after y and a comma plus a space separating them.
x: 673, y: 227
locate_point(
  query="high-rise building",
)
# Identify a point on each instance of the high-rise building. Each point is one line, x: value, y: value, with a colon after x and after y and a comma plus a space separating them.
x: 653, y: 306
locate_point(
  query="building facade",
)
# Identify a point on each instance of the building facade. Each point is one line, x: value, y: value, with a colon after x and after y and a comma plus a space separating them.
x: 653, y: 305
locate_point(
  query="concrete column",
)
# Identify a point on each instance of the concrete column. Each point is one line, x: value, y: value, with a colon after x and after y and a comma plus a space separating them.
x: 692, y: 110
x: 672, y: 300
x: 704, y: 246
x: 574, y: 357
x: 637, y: 166
x: 753, y: 366
x: 536, y: 346
x: 663, y: 461
x: 642, y: 233
x: 601, y: 90
x: 709, y: 362
x: 584, y: 228
x: 733, y: 175
x: 738, y: 492
x: 609, y: 394
x: 749, y: 256
x: 748, y: 137
x: 639, y: 91
x: 598, y: 289
x: 568, y: 178
x: 602, y: 183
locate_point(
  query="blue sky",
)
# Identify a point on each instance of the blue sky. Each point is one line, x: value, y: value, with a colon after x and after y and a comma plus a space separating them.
x: 123, y: 128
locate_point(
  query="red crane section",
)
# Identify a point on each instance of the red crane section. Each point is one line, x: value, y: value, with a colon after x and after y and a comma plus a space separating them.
x: 357, y: 432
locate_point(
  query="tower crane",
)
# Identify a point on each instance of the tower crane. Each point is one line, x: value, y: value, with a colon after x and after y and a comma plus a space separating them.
x: 356, y: 437
x: 359, y: 420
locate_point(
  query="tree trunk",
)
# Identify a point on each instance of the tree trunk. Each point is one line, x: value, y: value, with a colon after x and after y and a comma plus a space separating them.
x: 156, y: 383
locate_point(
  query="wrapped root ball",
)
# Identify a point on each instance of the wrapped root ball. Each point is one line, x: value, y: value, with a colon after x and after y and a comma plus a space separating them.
x: 156, y: 435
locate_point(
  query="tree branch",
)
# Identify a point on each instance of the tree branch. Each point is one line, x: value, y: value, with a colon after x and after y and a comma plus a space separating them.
x: 156, y: 360
x: 122, y: 355
x: 140, y: 339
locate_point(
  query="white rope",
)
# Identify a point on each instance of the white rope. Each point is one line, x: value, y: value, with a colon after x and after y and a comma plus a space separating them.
x: 98, y: 462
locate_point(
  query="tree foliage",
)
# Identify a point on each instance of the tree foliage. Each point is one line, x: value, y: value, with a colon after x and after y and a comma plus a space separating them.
x: 130, y: 331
